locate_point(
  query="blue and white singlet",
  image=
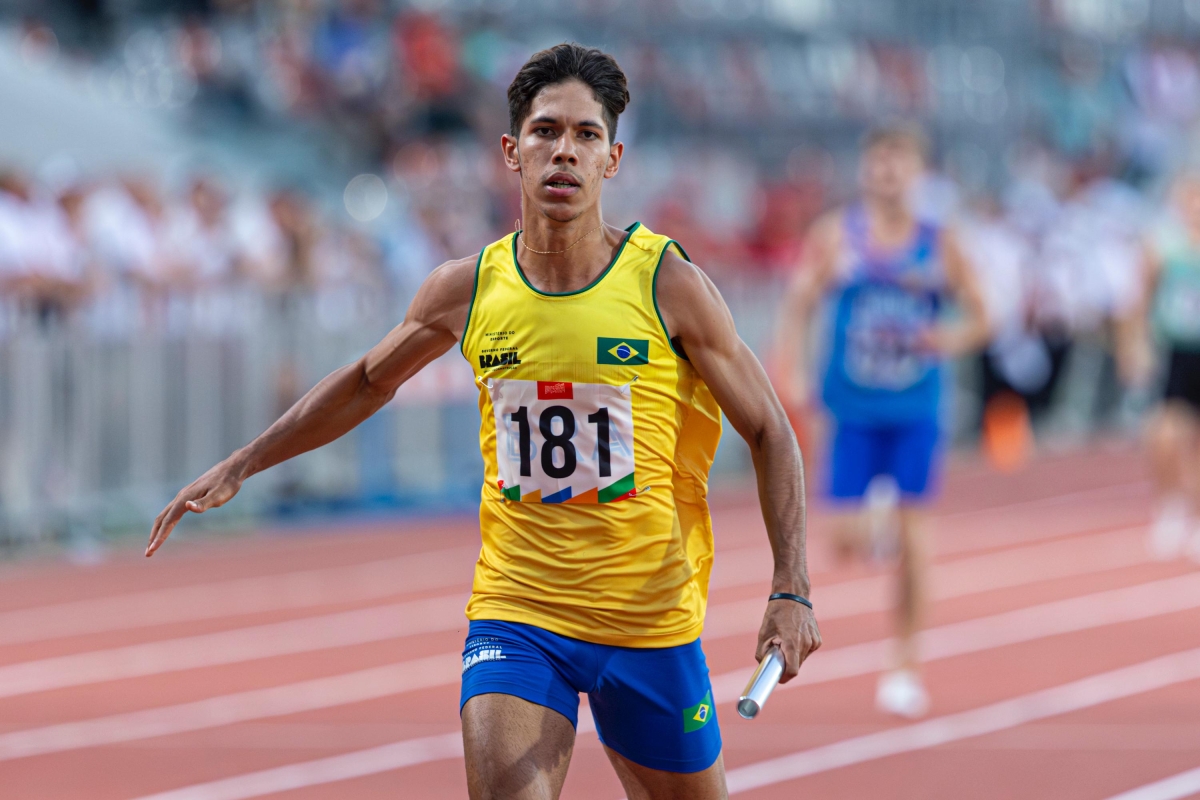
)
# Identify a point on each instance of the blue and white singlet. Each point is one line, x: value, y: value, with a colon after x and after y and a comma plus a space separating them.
x: 877, y: 373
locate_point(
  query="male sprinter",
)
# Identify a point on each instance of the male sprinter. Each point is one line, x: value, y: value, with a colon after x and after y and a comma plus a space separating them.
x: 603, y: 359
x: 886, y: 273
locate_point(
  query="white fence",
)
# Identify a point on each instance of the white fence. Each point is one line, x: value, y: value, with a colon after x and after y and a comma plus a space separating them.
x: 103, y: 417
x: 107, y: 412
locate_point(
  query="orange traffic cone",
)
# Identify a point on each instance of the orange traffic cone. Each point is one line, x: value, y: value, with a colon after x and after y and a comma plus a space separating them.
x: 1007, y: 434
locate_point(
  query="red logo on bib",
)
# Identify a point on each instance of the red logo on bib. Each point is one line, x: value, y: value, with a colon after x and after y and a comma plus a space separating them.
x: 554, y: 390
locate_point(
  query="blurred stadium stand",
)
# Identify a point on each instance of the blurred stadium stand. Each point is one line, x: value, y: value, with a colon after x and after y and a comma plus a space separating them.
x: 206, y: 205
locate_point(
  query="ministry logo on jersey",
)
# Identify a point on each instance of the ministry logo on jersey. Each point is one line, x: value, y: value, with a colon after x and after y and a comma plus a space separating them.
x: 622, y: 351
x: 697, y: 716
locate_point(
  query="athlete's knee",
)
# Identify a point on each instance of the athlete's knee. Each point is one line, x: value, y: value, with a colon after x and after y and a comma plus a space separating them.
x: 643, y: 783
x: 915, y: 544
x: 848, y: 532
x: 501, y: 774
x: 1170, y: 427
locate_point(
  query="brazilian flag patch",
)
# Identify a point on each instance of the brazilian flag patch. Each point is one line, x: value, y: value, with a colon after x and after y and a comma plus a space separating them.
x: 622, y: 351
x: 697, y: 716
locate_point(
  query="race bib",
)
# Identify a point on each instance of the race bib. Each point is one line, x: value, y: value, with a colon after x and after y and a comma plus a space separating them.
x: 559, y: 442
x: 882, y: 337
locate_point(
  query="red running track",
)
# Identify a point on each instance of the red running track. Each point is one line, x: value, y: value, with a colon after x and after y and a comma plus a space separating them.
x: 1063, y: 663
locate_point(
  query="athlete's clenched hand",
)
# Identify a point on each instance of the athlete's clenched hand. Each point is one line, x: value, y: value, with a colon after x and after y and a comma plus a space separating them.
x: 793, y: 627
x: 212, y: 489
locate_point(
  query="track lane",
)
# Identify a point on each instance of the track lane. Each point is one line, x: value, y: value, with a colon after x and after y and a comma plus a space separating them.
x: 442, y: 613
x: 965, y: 529
x: 1165, y: 593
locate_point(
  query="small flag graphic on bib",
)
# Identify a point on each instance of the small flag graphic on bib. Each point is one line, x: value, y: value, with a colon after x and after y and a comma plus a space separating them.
x: 622, y: 351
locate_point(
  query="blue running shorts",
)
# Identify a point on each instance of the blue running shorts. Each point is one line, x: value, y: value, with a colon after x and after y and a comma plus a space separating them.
x: 907, y: 452
x: 653, y: 706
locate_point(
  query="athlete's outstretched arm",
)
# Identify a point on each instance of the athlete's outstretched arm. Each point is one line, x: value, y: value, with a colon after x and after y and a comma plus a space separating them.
x: 697, y: 317
x: 343, y: 399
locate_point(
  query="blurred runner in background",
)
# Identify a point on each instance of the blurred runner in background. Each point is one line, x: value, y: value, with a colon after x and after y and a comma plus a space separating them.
x: 1170, y: 312
x: 886, y: 273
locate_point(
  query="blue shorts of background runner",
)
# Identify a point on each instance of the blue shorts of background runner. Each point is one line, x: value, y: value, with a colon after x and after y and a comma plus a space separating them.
x: 651, y: 705
x: 907, y: 452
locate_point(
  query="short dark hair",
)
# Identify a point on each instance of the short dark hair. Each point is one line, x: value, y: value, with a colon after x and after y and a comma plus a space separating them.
x: 564, y: 62
x: 906, y: 134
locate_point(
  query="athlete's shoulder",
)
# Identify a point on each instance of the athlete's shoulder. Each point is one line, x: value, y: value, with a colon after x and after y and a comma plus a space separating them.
x: 831, y: 218
x: 679, y: 276
x: 690, y: 303
x: 445, y: 297
x: 949, y: 238
x: 827, y: 230
x: 642, y: 238
x: 452, y: 278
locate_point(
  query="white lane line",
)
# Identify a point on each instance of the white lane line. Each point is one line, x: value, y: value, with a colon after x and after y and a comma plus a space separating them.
x: 973, y: 636
x: 1064, y: 558
x: 255, y: 704
x: 294, y: 590
x: 1120, y: 683
x: 323, y: 770
x: 1177, y: 787
x: 1074, y: 615
x: 304, y: 589
x: 445, y: 613
x: 229, y: 647
x: 1157, y: 673
x: 1135, y: 488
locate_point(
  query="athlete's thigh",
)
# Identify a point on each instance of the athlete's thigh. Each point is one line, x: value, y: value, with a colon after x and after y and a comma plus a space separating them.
x: 654, y: 708
x: 643, y: 783
x: 520, y: 705
x: 855, y: 457
x: 914, y: 460
x: 515, y: 750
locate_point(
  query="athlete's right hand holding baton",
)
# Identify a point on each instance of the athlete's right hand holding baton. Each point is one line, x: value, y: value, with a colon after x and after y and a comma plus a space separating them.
x: 789, y: 635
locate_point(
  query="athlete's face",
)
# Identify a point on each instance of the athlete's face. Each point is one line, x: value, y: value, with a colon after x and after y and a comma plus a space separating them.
x: 562, y: 151
x: 890, y: 170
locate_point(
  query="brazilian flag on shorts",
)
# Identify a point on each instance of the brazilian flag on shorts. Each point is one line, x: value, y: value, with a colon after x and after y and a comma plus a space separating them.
x: 697, y: 716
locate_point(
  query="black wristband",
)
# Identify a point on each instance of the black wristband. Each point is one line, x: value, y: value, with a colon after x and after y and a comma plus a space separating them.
x: 804, y: 601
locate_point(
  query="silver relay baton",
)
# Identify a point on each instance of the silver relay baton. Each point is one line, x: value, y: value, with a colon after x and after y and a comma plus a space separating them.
x: 761, y: 684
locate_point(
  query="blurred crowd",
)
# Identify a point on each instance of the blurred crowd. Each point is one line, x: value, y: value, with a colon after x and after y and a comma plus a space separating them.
x: 1053, y: 164
x: 335, y: 151
x: 123, y: 253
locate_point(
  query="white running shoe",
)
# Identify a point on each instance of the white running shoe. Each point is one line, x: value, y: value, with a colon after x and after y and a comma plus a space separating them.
x: 1169, y: 533
x: 901, y: 693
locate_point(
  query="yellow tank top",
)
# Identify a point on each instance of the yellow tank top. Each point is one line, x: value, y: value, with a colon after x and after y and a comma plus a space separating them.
x: 597, y: 438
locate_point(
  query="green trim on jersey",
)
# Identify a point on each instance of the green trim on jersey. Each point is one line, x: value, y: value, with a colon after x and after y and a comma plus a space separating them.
x: 628, y: 235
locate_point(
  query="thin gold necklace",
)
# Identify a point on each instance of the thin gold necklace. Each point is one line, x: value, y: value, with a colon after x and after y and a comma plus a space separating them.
x: 555, y: 252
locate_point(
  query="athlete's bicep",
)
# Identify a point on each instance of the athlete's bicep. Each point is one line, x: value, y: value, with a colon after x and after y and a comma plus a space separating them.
x: 433, y: 324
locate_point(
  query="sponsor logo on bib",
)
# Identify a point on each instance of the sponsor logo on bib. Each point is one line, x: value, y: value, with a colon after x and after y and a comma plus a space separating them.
x: 554, y: 390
